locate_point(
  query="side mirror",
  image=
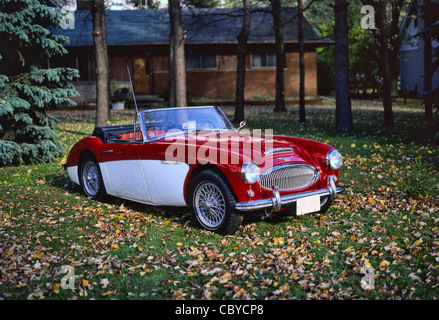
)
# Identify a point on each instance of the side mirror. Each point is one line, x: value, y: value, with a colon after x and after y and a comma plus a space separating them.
x: 242, y: 124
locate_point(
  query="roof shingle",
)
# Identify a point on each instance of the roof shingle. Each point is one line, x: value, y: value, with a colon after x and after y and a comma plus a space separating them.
x: 131, y: 27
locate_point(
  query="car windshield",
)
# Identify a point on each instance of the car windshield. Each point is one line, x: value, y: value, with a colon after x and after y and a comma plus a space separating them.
x: 161, y: 121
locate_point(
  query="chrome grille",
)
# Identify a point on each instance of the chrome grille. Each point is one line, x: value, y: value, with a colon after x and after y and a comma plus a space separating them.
x: 289, y: 177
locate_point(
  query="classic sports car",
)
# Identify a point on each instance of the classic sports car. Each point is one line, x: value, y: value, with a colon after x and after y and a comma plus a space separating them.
x: 193, y: 156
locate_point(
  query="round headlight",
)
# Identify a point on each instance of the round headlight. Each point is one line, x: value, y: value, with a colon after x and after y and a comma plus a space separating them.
x: 334, y: 159
x: 250, y: 172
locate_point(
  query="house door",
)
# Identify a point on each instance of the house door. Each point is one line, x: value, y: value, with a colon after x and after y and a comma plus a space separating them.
x: 142, y: 75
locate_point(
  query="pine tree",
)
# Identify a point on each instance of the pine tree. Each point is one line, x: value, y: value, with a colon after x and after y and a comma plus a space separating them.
x: 27, y: 87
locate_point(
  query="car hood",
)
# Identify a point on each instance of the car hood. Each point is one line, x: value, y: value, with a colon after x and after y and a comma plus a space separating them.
x: 274, y: 150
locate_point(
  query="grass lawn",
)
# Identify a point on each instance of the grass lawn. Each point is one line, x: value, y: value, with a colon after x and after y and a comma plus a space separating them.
x: 387, y: 221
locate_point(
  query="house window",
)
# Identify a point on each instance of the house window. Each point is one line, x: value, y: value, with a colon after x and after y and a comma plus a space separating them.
x: 264, y: 58
x: 76, y: 61
x: 196, y: 59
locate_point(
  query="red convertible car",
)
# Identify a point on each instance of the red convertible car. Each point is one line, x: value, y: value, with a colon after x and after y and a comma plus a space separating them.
x: 193, y: 156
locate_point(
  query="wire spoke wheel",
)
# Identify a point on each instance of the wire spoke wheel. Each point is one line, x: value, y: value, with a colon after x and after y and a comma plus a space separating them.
x: 210, y: 205
x: 90, y: 178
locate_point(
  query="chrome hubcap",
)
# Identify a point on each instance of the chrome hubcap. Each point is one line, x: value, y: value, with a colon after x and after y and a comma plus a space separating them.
x: 210, y: 205
x: 90, y: 178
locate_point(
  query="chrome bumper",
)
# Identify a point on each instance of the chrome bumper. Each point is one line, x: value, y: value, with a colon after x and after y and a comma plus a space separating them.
x: 276, y: 202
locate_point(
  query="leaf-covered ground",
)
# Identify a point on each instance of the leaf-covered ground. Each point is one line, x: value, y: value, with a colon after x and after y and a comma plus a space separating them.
x: 387, y: 222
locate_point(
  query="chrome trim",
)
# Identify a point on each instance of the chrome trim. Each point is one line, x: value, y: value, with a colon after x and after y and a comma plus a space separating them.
x: 143, y: 126
x: 282, y: 166
x: 225, y: 118
x: 170, y: 162
x: 332, y: 187
x: 285, y: 200
x: 277, y: 203
x: 279, y: 150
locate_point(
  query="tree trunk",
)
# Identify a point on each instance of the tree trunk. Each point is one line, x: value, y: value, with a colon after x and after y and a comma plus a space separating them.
x: 343, y: 111
x: 428, y: 101
x: 171, y: 98
x: 280, y: 56
x: 384, y: 67
x: 395, y: 44
x: 102, y: 69
x: 178, y: 67
x: 302, y: 114
x: 240, y: 74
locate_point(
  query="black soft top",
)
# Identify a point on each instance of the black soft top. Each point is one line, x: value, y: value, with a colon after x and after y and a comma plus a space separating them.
x: 111, y: 132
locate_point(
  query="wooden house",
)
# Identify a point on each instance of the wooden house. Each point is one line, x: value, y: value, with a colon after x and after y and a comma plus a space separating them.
x: 140, y: 39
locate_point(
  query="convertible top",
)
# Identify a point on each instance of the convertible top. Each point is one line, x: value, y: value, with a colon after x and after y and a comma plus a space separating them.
x: 111, y: 132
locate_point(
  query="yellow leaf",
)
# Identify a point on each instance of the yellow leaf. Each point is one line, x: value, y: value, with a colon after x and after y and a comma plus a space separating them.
x: 114, y: 246
x: 418, y: 242
x: 383, y: 265
x: 285, y: 287
x: 148, y: 269
x: 84, y: 282
x: 179, y: 244
x: 109, y: 293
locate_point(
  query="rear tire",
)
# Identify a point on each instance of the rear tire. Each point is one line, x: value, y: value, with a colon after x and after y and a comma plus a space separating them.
x: 212, y: 204
x: 90, y: 177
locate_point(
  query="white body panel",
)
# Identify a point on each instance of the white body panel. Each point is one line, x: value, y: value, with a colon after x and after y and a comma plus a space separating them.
x: 73, y: 174
x: 125, y: 179
x: 148, y: 181
x: 165, y: 181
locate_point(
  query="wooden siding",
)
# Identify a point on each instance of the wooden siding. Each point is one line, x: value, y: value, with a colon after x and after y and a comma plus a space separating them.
x: 216, y: 83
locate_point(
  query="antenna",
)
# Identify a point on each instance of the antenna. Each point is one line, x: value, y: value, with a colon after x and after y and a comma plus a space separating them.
x: 135, y: 103
x: 132, y: 89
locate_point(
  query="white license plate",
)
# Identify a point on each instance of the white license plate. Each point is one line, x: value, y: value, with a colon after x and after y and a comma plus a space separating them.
x: 308, y: 205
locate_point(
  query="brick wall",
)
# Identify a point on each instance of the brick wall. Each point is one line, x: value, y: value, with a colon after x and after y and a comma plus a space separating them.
x: 220, y: 83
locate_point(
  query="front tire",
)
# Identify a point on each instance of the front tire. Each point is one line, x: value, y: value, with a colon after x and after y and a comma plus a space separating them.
x: 212, y: 204
x: 91, y: 178
x: 325, y: 203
